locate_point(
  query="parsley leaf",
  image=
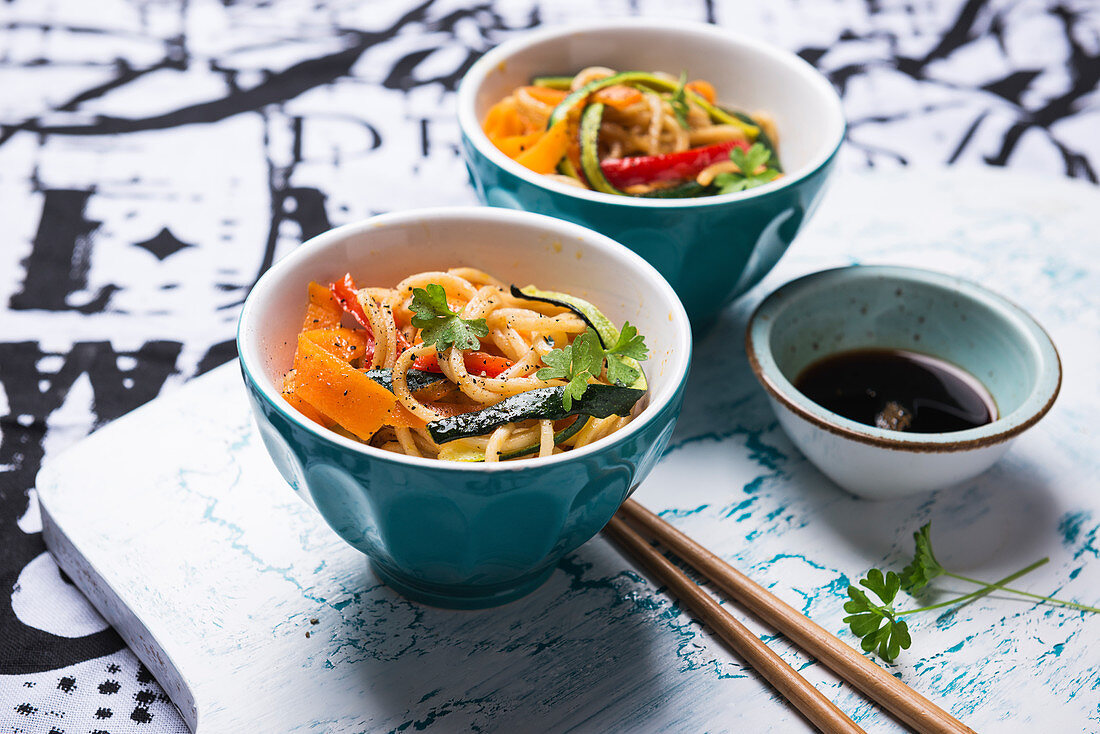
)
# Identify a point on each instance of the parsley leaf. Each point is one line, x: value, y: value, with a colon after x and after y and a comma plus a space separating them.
x: 749, y: 162
x: 587, y: 353
x: 584, y: 359
x: 620, y: 373
x: 575, y: 390
x: 924, y: 567
x: 576, y: 362
x: 440, y: 325
x: 880, y: 625
x: 631, y: 345
x: 559, y: 363
x: 877, y: 625
x: 679, y: 102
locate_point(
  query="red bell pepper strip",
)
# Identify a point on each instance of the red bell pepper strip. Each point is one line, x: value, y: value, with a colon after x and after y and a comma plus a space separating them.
x: 647, y: 169
x: 480, y: 364
x: 344, y: 293
x: 402, y: 343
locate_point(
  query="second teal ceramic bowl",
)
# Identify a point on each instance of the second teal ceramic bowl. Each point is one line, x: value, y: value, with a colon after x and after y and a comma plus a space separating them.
x: 711, y: 249
x: 457, y: 534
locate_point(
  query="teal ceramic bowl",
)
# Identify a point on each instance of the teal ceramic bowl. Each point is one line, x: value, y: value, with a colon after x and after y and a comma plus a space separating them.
x: 448, y: 533
x: 711, y: 249
x: 885, y: 307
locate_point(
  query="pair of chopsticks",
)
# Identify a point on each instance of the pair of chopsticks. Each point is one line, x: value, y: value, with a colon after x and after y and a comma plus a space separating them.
x: 899, y: 699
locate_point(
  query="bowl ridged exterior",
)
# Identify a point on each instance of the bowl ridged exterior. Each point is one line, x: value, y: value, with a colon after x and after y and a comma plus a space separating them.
x: 709, y: 254
x: 467, y: 539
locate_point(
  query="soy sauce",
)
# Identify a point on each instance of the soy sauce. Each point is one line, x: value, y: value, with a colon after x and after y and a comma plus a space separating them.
x: 898, y: 390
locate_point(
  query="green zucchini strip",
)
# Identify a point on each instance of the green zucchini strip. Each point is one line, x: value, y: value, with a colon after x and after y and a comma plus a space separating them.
x: 605, y: 329
x: 553, y: 82
x: 544, y: 403
x: 590, y: 159
x: 688, y: 190
x: 416, y: 379
x: 566, y: 168
x: 719, y: 115
x: 603, y: 326
x: 647, y: 79
x: 575, y: 98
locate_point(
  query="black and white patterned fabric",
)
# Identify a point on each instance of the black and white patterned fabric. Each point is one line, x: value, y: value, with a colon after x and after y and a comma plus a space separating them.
x: 156, y: 156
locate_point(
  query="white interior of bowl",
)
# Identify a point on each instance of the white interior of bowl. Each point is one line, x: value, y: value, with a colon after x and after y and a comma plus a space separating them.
x: 748, y: 75
x: 516, y: 247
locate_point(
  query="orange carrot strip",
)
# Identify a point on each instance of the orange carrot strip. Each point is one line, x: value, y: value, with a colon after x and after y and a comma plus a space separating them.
x: 543, y: 156
x: 618, y: 96
x: 513, y: 145
x: 703, y: 88
x: 306, y: 409
x: 290, y: 385
x: 400, y: 416
x: 323, y: 312
x: 503, y: 120
x: 546, y: 95
x: 339, y: 391
x: 347, y: 344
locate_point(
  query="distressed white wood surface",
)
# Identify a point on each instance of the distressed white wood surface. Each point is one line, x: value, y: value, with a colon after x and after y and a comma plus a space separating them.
x: 174, y: 522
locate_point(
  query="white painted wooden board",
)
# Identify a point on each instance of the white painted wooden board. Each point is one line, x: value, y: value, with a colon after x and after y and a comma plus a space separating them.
x: 176, y: 525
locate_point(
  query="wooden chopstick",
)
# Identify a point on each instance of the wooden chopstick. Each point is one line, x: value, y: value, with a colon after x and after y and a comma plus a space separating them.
x: 843, y: 659
x: 813, y: 704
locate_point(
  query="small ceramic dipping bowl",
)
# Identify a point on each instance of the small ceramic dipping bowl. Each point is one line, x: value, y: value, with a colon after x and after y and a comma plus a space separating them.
x: 464, y: 534
x: 883, y: 307
x: 711, y: 249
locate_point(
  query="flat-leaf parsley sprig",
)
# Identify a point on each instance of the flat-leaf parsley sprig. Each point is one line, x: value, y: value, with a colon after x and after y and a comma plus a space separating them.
x: 584, y: 360
x: 750, y: 175
x: 440, y: 325
x: 577, y: 362
x: 924, y: 567
x: 877, y: 625
x: 880, y: 626
x: 630, y: 345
